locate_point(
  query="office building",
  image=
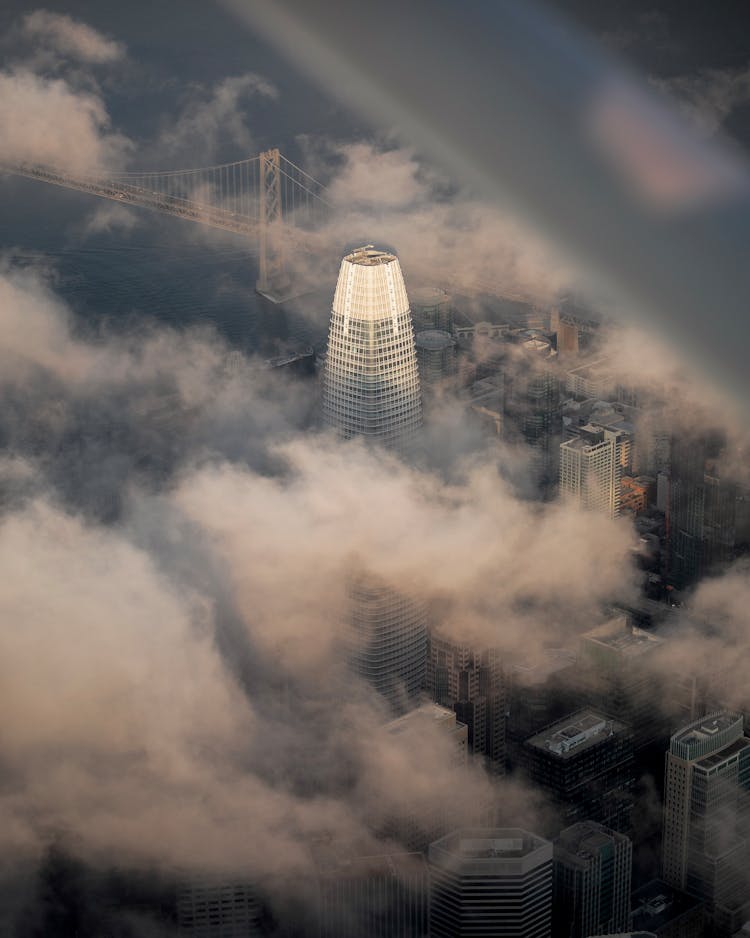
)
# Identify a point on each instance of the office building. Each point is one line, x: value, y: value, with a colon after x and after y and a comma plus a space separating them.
x: 591, y: 468
x: 211, y: 907
x: 540, y: 691
x: 487, y: 881
x: 387, y: 639
x: 701, y: 512
x: 585, y: 762
x: 370, y: 379
x: 378, y: 896
x: 666, y: 912
x: 707, y: 817
x: 432, y: 308
x: 415, y: 825
x: 470, y: 682
x: 592, y: 872
x: 533, y: 408
x: 618, y: 663
x: 436, y: 357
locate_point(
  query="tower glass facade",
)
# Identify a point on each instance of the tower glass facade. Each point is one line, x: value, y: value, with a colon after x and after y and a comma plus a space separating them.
x: 388, y: 636
x: 371, y: 380
x: 707, y: 817
x: 592, y: 881
x: 488, y: 881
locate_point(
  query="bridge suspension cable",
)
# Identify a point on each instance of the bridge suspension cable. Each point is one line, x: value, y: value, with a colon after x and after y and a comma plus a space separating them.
x: 265, y: 197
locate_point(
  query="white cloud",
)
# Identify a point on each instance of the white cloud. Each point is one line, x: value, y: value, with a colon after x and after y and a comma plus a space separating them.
x: 71, y: 38
x: 216, y: 116
x: 46, y: 121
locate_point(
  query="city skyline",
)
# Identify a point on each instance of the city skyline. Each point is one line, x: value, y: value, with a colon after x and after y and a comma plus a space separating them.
x: 366, y: 562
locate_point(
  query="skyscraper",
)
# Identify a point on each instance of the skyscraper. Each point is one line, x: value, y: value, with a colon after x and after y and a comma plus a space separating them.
x: 212, y: 907
x: 436, y: 356
x: 378, y: 896
x: 388, y: 639
x: 471, y: 682
x: 371, y: 381
x: 701, y: 511
x: 533, y: 408
x: 586, y: 763
x: 591, y: 467
x: 592, y: 870
x: 488, y: 881
x: 707, y: 816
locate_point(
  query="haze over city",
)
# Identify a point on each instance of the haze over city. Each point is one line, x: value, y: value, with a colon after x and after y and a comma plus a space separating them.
x: 375, y: 487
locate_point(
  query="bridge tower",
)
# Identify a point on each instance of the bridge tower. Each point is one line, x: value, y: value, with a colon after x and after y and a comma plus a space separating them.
x: 272, y: 279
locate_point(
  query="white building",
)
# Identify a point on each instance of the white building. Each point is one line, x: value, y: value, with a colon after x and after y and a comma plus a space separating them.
x: 591, y: 468
x: 371, y: 381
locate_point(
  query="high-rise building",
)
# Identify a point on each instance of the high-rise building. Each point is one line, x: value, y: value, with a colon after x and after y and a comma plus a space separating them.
x: 432, y: 309
x: 592, y: 871
x: 666, y: 912
x: 416, y: 825
x: 707, y: 817
x: 591, y: 468
x: 371, y: 381
x: 617, y: 663
x: 488, y: 881
x: 470, y: 681
x: 701, y: 511
x: 387, y: 638
x: 379, y: 896
x: 585, y: 762
x: 541, y: 690
x: 211, y: 907
x: 436, y: 356
x: 533, y: 408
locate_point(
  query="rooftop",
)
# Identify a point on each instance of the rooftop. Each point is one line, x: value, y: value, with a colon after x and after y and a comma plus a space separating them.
x: 434, y: 339
x: 429, y: 296
x: 585, y: 840
x: 619, y: 636
x: 575, y: 733
x: 489, y: 851
x: 369, y: 256
x: 707, y: 735
x: 426, y: 713
x: 656, y: 904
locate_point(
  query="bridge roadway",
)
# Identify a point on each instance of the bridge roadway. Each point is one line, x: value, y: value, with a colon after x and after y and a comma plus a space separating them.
x: 126, y: 194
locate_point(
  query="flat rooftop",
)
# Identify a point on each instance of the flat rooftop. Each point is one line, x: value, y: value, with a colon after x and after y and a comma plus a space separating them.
x: 369, y: 256
x: 431, y: 713
x: 618, y: 635
x: 575, y: 733
x: 480, y: 843
x: 434, y: 340
x: 656, y: 904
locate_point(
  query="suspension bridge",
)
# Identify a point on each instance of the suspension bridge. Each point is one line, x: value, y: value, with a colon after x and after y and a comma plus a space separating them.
x: 267, y: 199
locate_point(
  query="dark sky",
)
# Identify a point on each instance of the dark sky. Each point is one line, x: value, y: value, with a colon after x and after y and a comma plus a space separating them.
x: 175, y: 42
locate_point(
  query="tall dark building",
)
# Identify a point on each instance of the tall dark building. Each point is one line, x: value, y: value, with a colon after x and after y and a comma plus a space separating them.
x: 387, y: 639
x: 378, y: 897
x: 540, y: 691
x: 617, y: 664
x: 586, y: 763
x: 592, y: 870
x: 706, y: 847
x: 487, y: 881
x: 666, y: 912
x: 701, y: 511
x: 533, y: 409
x: 211, y: 907
x: 471, y: 682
